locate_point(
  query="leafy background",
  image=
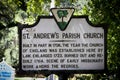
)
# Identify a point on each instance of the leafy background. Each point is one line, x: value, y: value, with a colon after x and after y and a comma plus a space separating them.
x: 13, y: 12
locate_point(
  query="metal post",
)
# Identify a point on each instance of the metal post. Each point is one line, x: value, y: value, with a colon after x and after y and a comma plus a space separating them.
x: 63, y: 76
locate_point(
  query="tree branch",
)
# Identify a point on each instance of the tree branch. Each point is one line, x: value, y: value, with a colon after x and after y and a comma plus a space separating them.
x: 13, y: 24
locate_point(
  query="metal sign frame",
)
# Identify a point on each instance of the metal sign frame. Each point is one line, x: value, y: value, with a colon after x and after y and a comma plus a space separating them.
x: 21, y: 27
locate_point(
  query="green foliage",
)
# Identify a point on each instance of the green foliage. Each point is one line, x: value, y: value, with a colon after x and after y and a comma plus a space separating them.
x: 39, y: 7
x: 26, y: 12
x: 108, y: 11
x: 9, y: 45
x: 25, y: 18
x: 105, y: 11
x: 7, y: 11
x: 11, y: 12
x: 64, y: 3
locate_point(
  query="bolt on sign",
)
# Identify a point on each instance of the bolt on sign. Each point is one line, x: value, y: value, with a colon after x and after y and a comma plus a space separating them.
x: 63, y: 42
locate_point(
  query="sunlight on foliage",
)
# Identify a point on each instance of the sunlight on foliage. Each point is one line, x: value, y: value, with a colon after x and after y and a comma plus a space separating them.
x: 9, y: 45
x: 27, y: 11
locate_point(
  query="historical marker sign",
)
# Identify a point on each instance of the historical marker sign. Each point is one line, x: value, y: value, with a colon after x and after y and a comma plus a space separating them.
x: 77, y: 48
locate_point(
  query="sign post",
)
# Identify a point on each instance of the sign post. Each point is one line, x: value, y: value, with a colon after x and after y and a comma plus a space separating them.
x: 63, y: 44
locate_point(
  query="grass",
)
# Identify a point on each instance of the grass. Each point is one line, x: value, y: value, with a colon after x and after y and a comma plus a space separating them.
x: 28, y: 78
